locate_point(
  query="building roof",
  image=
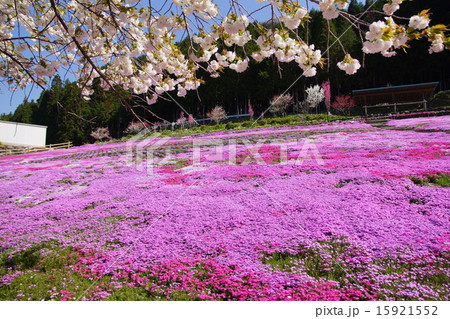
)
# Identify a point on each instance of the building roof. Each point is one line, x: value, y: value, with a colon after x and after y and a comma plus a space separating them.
x: 25, y: 124
x: 395, y: 94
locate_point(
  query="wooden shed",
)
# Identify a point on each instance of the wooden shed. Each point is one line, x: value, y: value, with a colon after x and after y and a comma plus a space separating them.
x: 394, y: 96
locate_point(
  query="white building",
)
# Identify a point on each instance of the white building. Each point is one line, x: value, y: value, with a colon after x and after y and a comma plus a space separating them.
x: 22, y: 134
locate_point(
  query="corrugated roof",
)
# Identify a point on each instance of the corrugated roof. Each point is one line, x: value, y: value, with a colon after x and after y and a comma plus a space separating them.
x: 396, y: 87
x: 25, y: 124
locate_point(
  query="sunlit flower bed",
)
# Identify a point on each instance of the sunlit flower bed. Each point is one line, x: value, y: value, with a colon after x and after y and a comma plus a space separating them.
x: 424, y: 123
x: 359, y: 214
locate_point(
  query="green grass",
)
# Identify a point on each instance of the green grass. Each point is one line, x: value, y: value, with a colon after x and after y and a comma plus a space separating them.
x: 130, y: 293
x: 93, y: 205
x: 21, y: 260
x: 66, y: 180
x: 308, y: 119
x: 343, y: 182
x: 45, y: 272
x: 328, y: 261
x: 431, y: 274
x: 42, y: 273
x: 439, y: 179
x: 417, y: 201
x: 316, y: 261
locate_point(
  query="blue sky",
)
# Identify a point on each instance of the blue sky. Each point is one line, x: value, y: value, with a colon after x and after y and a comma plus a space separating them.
x: 9, y: 100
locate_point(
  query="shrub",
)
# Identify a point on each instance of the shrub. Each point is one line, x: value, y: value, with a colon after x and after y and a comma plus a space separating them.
x: 217, y: 114
x: 271, y: 121
x: 181, y: 120
x: 101, y: 134
x: 247, y: 124
x: 440, y: 99
x: 195, y: 129
x: 135, y: 127
x: 231, y: 126
x: 250, y: 111
x: 262, y: 122
x: 322, y: 117
x: 218, y: 127
x: 327, y: 94
x: 166, y: 133
x: 282, y: 121
x: 314, y: 95
x: 191, y: 120
x: 343, y: 103
x: 279, y: 103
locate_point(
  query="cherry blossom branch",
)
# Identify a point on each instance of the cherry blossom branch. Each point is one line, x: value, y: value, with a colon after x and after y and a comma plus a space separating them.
x: 93, y: 65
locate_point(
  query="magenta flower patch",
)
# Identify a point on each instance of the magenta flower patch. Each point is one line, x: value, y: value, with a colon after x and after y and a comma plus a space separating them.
x: 261, y: 218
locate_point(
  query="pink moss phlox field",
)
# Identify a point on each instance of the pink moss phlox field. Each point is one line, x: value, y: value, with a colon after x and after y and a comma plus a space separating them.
x: 354, y: 227
x: 439, y: 123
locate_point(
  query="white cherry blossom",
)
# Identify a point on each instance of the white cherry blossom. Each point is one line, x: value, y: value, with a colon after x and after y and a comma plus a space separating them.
x: 130, y: 44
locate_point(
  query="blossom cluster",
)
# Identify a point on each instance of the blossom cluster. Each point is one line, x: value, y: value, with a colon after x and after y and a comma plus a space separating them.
x: 387, y: 36
x: 392, y: 6
x: 349, y: 65
x: 329, y: 8
x: 135, y: 46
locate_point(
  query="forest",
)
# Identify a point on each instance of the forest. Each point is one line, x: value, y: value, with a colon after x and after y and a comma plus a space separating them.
x: 71, y: 118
